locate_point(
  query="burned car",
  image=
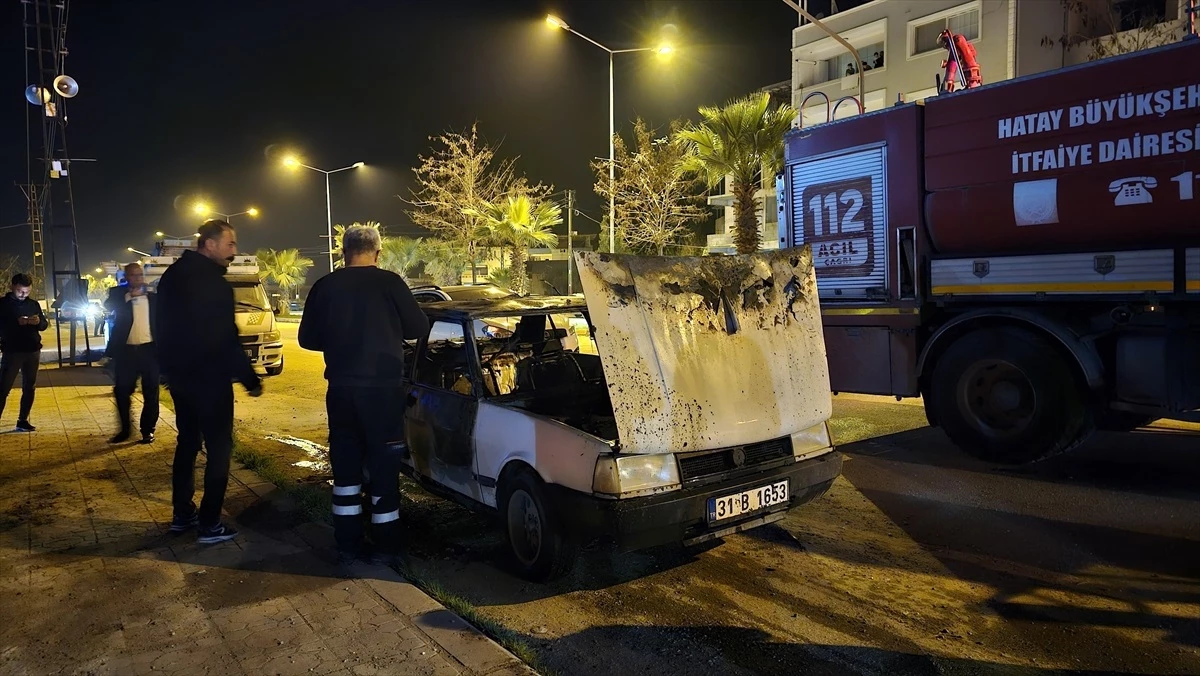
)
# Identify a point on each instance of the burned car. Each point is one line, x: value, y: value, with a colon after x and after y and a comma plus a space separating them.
x: 684, y: 400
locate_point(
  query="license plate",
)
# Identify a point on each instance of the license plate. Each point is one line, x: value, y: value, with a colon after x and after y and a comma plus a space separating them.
x: 251, y: 353
x: 731, y: 506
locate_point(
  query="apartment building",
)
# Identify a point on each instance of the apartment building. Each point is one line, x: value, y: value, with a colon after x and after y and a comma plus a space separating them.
x: 897, y: 41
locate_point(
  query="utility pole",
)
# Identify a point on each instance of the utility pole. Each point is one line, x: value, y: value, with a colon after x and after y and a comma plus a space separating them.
x: 570, y: 243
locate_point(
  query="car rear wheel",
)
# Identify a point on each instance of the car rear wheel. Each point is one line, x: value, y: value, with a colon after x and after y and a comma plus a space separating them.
x: 539, y: 545
x: 1004, y: 395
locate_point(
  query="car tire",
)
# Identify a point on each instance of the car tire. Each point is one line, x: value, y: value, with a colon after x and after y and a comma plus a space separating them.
x: 275, y: 370
x: 1005, y: 396
x: 536, y: 539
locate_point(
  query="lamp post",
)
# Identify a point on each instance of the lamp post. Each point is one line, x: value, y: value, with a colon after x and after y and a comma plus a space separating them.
x: 205, y: 210
x: 292, y: 162
x: 556, y: 22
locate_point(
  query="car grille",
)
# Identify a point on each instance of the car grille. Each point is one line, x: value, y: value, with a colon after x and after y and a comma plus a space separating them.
x: 700, y: 466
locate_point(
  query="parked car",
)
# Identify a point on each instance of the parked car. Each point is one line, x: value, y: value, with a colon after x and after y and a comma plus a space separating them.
x: 431, y: 293
x: 696, y: 409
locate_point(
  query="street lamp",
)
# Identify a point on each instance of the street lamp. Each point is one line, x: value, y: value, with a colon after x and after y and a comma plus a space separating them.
x: 140, y: 253
x: 205, y: 210
x: 160, y: 233
x: 292, y: 162
x: 555, y: 22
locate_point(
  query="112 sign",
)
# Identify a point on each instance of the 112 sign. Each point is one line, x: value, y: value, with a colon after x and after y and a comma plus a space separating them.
x: 837, y: 220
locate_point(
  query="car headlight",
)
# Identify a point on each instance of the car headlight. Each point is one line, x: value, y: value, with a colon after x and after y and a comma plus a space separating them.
x: 812, y: 441
x: 272, y: 337
x: 633, y: 475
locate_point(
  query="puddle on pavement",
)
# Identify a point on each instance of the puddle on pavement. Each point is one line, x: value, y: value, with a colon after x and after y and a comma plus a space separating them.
x: 318, y: 455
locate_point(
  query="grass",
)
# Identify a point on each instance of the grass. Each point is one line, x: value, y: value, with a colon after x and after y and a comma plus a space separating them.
x: 312, y: 500
x: 507, y: 638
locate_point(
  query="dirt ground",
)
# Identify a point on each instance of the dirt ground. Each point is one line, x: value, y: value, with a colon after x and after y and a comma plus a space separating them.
x: 919, y: 561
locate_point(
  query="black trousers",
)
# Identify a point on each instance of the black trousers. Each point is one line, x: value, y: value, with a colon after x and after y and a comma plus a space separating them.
x: 366, y: 436
x: 26, y: 363
x: 204, y: 416
x: 133, y: 362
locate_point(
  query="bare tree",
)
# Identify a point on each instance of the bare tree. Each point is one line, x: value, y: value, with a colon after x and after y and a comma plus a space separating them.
x: 654, y: 198
x: 453, y: 184
x: 1111, y: 27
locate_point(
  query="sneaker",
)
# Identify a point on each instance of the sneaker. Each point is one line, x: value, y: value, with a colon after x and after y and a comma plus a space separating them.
x: 218, y: 533
x: 147, y: 438
x: 182, y: 523
x: 120, y: 437
x: 24, y: 426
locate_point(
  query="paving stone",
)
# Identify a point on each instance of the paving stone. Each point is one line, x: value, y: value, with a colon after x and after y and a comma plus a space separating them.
x: 88, y: 534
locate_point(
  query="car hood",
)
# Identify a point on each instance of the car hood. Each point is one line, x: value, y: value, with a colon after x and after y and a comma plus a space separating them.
x: 708, y: 352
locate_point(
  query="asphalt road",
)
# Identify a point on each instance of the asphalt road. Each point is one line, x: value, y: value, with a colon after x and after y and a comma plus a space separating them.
x: 920, y: 560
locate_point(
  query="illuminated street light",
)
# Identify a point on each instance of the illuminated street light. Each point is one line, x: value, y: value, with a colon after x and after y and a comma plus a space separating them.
x: 292, y: 162
x: 140, y: 253
x: 662, y: 50
x: 205, y: 210
x: 100, y: 270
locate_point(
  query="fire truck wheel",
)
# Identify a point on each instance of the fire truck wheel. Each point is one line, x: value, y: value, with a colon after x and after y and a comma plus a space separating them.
x: 1004, y: 395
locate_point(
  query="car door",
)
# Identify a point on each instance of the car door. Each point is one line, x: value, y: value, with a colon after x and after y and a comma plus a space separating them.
x: 442, y: 406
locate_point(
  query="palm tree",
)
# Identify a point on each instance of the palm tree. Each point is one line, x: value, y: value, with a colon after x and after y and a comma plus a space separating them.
x: 444, y: 261
x: 401, y: 254
x: 519, y: 223
x: 286, y: 268
x: 744, y: 141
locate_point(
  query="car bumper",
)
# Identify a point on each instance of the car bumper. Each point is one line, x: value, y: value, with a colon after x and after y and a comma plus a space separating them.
x: 264, y: 355
x: 682, y: 516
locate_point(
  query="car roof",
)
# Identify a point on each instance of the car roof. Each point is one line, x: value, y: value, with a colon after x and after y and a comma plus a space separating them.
x: 492, y: 307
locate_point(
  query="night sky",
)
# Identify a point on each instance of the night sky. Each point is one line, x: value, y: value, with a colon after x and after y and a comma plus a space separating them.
x: 186, y: 100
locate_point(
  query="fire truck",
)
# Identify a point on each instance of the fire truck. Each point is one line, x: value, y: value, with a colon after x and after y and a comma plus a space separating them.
x: 1024, y: 256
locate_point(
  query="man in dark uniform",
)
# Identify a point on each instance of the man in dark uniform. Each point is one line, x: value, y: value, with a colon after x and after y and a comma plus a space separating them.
x: 131, y: 347
x: 21, y: 324
x: 360, y: 316
x: 200, y: 355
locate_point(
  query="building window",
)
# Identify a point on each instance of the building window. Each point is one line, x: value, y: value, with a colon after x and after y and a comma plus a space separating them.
x: 923, y: 33
x: 872, y: 59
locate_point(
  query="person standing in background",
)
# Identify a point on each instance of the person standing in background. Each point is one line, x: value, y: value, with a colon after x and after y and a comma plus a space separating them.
x: 21, y: 324
x: 131, y: 346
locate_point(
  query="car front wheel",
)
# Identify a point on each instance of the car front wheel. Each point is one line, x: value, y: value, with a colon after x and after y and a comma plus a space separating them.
x: 538, y: 543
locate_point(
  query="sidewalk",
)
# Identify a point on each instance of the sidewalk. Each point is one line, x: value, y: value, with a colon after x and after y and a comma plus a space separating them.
x: 91, y: 582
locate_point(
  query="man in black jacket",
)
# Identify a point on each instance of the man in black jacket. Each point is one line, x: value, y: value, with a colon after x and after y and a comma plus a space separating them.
x: 200, y: 355
x: 21, y: 324
x: 360, y: 316
x: 131, y: 347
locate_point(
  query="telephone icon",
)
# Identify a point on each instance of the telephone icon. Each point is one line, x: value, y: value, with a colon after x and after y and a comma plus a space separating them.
x: 1133, y: 190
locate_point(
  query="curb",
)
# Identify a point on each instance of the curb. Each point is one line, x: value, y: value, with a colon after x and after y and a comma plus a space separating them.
x: 454, y: 635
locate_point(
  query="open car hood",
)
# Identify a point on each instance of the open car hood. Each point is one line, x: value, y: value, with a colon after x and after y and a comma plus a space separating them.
x: 708, y: 352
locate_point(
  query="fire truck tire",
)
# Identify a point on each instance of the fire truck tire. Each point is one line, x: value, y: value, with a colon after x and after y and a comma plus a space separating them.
x: 1004, y: 395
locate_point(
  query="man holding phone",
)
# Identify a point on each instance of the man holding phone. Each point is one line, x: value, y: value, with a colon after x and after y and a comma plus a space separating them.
x: 131, y: 347
x: 21, y: 324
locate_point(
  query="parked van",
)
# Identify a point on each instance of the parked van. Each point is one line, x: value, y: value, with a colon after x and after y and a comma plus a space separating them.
x: 257, y: 327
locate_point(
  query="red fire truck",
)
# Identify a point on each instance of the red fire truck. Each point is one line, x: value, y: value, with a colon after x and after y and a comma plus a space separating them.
x: 1023, y: 255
